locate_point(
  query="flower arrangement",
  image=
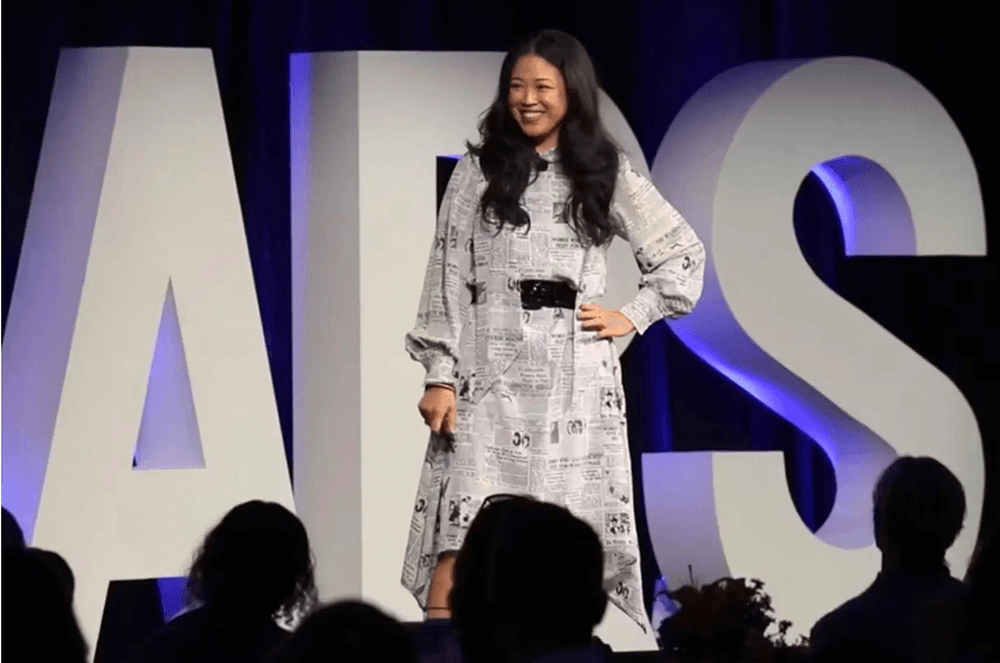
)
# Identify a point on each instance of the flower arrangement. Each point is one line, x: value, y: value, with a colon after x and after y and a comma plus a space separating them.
x: 727, y: 621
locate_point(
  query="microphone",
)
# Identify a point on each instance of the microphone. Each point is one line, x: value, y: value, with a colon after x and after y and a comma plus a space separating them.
x: 541, y: 164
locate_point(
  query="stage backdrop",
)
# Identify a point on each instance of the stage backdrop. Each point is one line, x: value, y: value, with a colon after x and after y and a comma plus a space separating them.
x: 653, y: 57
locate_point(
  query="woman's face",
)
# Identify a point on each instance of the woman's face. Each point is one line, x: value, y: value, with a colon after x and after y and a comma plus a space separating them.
x: 537, y: 100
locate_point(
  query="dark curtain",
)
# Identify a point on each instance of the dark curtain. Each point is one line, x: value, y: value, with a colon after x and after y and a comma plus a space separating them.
x: 652, y: 55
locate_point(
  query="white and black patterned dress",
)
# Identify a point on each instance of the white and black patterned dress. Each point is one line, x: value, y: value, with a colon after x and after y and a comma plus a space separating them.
x: 540, y: 406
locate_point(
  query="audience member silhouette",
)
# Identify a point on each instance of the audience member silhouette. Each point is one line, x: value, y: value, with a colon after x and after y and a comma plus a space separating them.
x: 60, y: 571
x: 347, y: 632
x: 528, y: 585
x: 12, y: 534
x: 38, y: 619
x: 979, y: 634
x: 435, y: 642
x: 255, y: 566
x: 910, y: 611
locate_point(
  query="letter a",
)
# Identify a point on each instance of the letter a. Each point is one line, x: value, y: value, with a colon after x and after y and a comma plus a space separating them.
x: 135, y: 197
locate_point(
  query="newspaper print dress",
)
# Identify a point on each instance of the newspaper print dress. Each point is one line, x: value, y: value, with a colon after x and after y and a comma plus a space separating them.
x: 540, y: 405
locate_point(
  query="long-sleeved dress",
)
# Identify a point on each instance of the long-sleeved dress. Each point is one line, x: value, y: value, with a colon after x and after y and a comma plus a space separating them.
x: 540, y: 404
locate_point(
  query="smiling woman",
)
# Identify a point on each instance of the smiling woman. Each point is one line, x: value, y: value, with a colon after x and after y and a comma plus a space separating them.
x: 525, y: 223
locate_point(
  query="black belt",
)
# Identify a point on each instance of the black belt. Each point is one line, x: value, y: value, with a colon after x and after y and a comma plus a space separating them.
x: 547, y: 294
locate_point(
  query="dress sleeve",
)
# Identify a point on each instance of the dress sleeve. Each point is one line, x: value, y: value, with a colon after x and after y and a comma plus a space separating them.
x: 670, y: 256
x: 434, y: 339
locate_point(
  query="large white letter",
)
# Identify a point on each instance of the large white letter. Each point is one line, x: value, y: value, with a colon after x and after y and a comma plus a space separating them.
x: 134, y: 234
x: 733, y: 161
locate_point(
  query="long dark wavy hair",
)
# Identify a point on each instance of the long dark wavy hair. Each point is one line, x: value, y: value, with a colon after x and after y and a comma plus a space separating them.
x: 587, y: 154
x: 256, y: 563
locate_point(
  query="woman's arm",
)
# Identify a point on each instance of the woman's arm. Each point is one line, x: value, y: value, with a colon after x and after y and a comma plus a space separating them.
x: 434, y: 339
x: 669, y: 254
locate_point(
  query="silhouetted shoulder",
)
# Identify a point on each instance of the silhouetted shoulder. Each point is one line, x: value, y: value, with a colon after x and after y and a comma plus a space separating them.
x: 836, y: 625
x: 200, y: 636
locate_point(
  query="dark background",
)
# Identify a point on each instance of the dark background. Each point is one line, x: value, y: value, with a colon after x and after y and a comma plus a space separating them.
x: 652, y: 56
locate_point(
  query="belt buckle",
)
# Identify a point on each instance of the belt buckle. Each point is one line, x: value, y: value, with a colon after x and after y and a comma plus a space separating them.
x: 535, y: 295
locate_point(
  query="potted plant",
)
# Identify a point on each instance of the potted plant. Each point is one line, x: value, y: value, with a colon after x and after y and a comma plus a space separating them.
x: 727, y: 621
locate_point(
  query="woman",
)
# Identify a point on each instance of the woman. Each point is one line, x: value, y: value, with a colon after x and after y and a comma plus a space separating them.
x: 253, y: 567
x: 521, y: 241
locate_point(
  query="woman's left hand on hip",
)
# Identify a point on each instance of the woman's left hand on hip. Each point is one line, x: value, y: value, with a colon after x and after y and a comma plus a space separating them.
x: 607, y: 323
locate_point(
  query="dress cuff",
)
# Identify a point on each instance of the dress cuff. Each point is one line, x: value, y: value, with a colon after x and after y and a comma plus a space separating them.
x: 639, y: 312
x: 441, y: 371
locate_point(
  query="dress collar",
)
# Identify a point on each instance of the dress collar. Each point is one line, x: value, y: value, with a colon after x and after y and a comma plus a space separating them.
x: 551, y: 155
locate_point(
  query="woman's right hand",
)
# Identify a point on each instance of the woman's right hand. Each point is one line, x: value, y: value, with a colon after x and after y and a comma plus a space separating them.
x: 437, y: 407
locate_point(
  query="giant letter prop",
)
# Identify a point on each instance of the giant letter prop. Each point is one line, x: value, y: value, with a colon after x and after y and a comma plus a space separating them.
x: 733, y: 161
x: 134, y: 214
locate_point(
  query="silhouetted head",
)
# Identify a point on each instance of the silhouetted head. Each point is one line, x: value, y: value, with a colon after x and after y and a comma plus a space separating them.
x: 12, y: 533
x: 38, y: 619
x: 919, y: 509
x: 348, y: 632
x: 255, y: 563
x: 548, y: 95
x: 60, y: 570
x: 528, y: 580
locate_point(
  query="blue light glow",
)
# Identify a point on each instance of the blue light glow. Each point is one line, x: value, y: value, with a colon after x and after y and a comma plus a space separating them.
x: 168, y: 437
x: 841, y: 197
x: 171, y: 596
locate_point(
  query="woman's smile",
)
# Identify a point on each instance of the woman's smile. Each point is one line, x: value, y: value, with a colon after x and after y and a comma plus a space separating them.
x: 531, y: 115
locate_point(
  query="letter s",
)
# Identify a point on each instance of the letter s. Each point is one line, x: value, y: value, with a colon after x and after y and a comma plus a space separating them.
x: 732, y: 162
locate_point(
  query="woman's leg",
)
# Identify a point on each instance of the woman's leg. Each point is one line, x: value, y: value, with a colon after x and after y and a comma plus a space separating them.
x: 438, y: 604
